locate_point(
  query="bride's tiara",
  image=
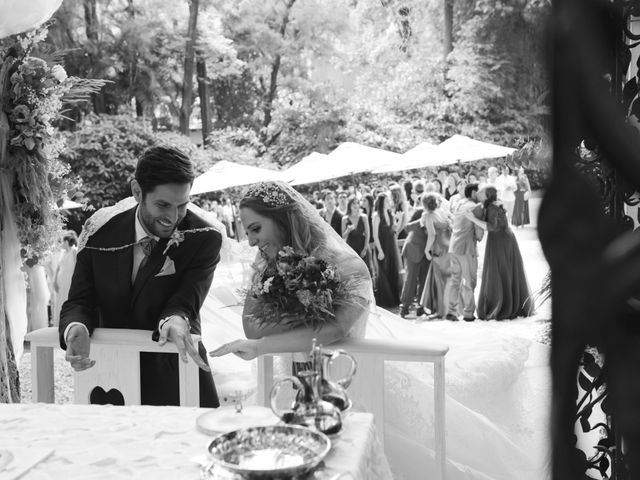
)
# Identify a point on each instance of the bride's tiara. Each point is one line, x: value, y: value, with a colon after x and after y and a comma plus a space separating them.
x: 269, y: 193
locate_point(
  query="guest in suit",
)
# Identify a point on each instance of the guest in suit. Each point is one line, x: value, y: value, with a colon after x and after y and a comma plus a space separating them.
x: 136, y: 272
x: 415, y: 260
x: 464, y: 257
x: 330, y: 213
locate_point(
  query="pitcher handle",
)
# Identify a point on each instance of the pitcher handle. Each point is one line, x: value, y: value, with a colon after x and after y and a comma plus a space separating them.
x: 274, y: 394
x: 346, y: 381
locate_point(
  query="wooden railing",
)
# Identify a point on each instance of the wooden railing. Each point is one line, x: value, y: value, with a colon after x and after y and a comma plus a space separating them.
x: 371, y: 356
x: 117, y: 355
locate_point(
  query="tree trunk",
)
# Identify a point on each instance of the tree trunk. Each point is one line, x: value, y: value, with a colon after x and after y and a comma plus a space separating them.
x: 133, y: 68
x: 448, y: 27
x: 91, y: 21
x: 91, y: 29
x: 203, y: 91
x: 270, y: 95
x: 189, y: 61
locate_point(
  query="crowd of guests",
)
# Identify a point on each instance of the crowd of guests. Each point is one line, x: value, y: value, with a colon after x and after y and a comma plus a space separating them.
x: 415, y: 237
x: 438, y: 221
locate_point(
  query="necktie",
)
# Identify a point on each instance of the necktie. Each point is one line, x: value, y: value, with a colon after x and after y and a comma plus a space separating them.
x: 147, y: 244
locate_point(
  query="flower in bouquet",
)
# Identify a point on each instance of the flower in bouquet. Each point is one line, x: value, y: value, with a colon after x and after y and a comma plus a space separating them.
x: 299, y: 290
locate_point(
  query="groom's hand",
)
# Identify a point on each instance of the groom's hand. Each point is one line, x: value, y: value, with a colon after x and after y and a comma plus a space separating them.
x: 78, y: 348
x: 176, y: 330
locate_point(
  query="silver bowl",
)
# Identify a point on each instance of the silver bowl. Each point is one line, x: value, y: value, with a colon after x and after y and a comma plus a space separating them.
x: 278, y: 451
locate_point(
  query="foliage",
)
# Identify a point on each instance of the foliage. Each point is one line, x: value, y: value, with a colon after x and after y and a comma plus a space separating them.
x: 104, y: 151
x: 240, y: 145
x: 139, y: 46
x: 38, y: 88
x: 346, y: 71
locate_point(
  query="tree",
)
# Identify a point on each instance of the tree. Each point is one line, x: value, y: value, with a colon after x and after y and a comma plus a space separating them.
x: 189, y: 62
x: 448, y: 27
x: 280, y: 43
x: 270, y: 92
x: 91, y: 29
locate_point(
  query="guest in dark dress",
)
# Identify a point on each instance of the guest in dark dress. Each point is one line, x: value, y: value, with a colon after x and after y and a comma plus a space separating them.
x: 384, y: 236
x: 355, y: 228
x: 521, y: 207
x: 504, y: 292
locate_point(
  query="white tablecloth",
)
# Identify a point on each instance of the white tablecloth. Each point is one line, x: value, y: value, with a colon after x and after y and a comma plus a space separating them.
x: 142, y: 442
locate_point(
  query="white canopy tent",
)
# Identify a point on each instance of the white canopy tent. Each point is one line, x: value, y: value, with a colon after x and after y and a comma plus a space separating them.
x: 307, y: 169
x: 460, y: 148
x: 420, y: 156
x: 226, y: 174
x: 347, y: 159
x: 68, y: 205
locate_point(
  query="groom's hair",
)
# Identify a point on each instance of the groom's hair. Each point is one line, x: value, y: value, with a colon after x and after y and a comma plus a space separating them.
x: 161, y: 165
x: 469, y: 189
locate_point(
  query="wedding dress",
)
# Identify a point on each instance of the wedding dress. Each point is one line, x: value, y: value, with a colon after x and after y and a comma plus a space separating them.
x: 497, y: 387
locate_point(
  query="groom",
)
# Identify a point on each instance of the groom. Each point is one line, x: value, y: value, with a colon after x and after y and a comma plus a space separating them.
x: 136, y: 272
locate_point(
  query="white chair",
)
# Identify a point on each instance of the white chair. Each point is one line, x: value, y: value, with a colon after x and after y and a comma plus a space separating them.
x: 371, y: 355
x: 117, y: 356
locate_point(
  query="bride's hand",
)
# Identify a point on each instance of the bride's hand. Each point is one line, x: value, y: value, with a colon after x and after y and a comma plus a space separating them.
x: 245, y: 349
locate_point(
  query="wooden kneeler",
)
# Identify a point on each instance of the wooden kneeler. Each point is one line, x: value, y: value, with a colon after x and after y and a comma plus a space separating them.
x: 117, y: 368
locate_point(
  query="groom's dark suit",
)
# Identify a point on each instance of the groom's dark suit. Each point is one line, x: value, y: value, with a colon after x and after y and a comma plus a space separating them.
x: 101, y: 295
x: 416, y: 263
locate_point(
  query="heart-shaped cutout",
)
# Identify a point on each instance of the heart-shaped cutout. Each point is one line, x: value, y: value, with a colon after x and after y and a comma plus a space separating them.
x: 99, y: 397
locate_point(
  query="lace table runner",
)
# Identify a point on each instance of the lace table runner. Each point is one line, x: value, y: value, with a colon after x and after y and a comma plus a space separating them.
x: 142, y: 442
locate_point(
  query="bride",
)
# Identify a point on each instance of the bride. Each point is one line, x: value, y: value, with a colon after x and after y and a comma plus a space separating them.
x: 274, y: 215
x: 497, y: 386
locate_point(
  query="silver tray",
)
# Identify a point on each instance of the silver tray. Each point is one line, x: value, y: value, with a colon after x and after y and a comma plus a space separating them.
x: 278, y: 451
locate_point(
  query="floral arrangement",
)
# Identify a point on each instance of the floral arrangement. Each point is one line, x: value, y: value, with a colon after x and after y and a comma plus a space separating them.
x: 299, y: 290
x: 176, y: 238
x: 32, y: 93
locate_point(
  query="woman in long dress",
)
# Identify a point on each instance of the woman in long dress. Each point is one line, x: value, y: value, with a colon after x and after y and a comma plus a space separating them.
x: 355, y: 229
x: 274, y: 216
x: 384, y: 236
x: 504, y: 293
x: 521, y: 207
x: 438, y: 226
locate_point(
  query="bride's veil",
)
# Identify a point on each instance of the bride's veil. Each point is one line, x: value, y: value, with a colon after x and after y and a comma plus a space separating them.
x: 488, y: 373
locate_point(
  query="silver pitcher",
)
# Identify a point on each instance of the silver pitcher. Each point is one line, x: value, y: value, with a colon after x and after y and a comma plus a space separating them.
x: 320, y: 400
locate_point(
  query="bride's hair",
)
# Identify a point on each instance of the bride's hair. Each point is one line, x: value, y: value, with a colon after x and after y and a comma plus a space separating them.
x: 294, y: 215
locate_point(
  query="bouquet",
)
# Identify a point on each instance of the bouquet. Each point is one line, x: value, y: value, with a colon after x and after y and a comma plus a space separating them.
x: 299, y: 290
